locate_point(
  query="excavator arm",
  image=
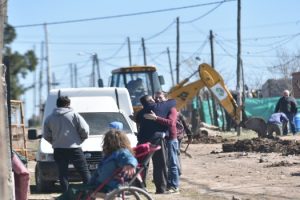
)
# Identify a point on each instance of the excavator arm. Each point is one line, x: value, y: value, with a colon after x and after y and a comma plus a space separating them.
x: 211, y: 79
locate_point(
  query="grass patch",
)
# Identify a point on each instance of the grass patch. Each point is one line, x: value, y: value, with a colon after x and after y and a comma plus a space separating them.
x: 232, y: 135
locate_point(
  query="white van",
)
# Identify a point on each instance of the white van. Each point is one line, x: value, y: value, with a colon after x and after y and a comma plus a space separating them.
x: 99, y: 107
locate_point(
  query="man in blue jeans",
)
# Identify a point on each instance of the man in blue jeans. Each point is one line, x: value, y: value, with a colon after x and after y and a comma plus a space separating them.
x: 66, y: 130
x: 171, y: 143
x: 148, y: 130
x: 288, y: 105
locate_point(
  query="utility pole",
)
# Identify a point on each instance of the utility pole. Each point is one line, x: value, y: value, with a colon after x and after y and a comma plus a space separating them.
x: 170, y: 64
x: 144, y: 51
x: 238, y: 71
x: 129, y: 51
x: 54, y: 83
x: 34, y: 88
x: 71, y: 75
x: 49, y: 81
x: 177, y: 51
x: 41, y: 82
x: 75, y: 75
x: 96, y: 63
x: 93, y: 72
x: 215, y: 114
x: 6, y: 176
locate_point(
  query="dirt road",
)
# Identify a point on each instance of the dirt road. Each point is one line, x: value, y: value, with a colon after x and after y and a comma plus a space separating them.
x: 210, y: 174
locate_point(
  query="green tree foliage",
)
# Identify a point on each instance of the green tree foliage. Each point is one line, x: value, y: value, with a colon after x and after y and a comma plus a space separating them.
x: 19, y: 65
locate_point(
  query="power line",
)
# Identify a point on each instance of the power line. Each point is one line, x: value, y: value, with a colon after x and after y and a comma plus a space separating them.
x: 287, y: 62
x: 121, y: 15
x: 159, y: 33
x: 207, y: 13
x: 229, y: 54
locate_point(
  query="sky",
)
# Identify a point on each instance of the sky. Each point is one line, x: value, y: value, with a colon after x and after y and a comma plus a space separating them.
x: 79, y: 29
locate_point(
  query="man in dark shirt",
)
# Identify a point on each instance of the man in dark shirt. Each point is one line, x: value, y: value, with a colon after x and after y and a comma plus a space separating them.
x: 148, y: 128
x: 288, y: 106
x: 150, y: 131
x: 171, y: 142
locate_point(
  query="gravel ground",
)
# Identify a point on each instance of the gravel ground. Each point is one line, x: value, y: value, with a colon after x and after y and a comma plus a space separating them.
x: 209, y: 173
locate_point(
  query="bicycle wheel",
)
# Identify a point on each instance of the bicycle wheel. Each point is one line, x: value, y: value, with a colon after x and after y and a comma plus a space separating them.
x: 128, y: 193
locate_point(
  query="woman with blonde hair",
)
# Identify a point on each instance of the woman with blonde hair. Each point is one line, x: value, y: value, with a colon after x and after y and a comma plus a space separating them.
x: 118, y: 154
x: 118, y: 157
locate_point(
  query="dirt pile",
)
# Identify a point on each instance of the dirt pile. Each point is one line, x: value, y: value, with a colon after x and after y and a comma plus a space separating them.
x: 207, y: 137
x: 264, y: 145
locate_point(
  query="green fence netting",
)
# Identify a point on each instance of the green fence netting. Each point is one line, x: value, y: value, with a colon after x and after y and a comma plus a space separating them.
x: 254, y: 107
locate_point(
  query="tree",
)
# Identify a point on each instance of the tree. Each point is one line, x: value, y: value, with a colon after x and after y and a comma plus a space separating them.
x: 19, y: 65
x: 287, y: 63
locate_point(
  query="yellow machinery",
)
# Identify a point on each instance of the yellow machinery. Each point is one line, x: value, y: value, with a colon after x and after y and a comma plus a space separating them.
x: 139, y: 80
x: 209, y: 78
x: 183, y: 92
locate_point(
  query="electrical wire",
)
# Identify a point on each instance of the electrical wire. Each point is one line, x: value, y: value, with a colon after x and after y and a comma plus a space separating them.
x: 229, y: 54
x: 277, y: 46
x: 120, y: 15
x: 286, y: 63
x: 159, y: 33
x: 202, y: 16
x: 198, y: 51
x: 117, y: 51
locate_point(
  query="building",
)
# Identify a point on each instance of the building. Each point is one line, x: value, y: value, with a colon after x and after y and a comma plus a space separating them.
x: 296, y: 84
x: 274, y: 87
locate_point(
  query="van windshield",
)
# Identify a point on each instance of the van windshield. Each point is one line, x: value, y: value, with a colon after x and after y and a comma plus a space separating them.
x: 99, y: 122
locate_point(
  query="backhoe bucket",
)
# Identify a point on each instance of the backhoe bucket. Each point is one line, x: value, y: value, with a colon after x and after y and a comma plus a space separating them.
x: 256, y: 124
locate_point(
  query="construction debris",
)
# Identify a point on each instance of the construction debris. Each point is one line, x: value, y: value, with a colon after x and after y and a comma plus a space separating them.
x: 264, y: 145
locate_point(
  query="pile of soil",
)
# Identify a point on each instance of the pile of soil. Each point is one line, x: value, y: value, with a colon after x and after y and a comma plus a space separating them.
x: 204, y: 136
x: 264, y: 145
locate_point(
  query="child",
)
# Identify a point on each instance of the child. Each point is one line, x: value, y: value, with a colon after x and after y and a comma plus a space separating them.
x: 117, y: 154
x: 115, y: 125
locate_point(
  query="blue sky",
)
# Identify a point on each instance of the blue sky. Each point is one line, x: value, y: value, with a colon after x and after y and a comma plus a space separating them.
x: 268, y: 26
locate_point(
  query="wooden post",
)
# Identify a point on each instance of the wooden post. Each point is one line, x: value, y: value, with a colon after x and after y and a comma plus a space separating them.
x: 170, y: 64
x: 238, y: 71
x: 129, y: 51
x: 214, y: 104
x: 177, y: 51
x: 144, y: 51
x: 6, y: 183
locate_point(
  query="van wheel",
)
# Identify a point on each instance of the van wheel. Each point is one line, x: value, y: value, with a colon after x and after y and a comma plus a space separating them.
x: 41, y: 184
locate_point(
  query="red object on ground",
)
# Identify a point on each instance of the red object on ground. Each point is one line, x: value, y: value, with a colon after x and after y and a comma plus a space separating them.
x: 21, y: 175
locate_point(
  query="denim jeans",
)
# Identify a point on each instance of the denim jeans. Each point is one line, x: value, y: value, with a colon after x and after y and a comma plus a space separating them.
x: 173, y: 169
x: 291, y: 122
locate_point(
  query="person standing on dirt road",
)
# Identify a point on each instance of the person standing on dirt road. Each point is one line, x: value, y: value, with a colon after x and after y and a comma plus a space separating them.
x: 276, y: 122
x: 151, y: 131
x: 171, y: 142
x: 65, y: 129
x: 288, y: 105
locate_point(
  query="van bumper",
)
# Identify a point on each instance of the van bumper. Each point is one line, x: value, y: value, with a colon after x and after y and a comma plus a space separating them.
x: 48, y: 171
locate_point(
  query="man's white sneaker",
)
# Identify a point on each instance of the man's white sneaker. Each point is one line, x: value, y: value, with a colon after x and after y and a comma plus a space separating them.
x: 172, y: 190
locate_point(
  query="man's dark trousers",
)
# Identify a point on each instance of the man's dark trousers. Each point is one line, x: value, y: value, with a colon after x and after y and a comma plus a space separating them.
x: 64, y: 156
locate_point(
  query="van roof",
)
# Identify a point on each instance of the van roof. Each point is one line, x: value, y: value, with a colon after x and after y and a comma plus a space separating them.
x: 104, y: 99
x: 87, y: 91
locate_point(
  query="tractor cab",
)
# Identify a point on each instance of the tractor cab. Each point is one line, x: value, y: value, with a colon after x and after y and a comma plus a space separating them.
x: 139, y: 80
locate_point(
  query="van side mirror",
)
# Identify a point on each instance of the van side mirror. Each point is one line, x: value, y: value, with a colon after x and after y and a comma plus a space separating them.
x: 32, y: 134
x: 161, y: 80
x: 100, y: 82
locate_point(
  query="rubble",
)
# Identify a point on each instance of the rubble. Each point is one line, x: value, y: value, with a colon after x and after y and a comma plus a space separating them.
x: 264, y: 145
